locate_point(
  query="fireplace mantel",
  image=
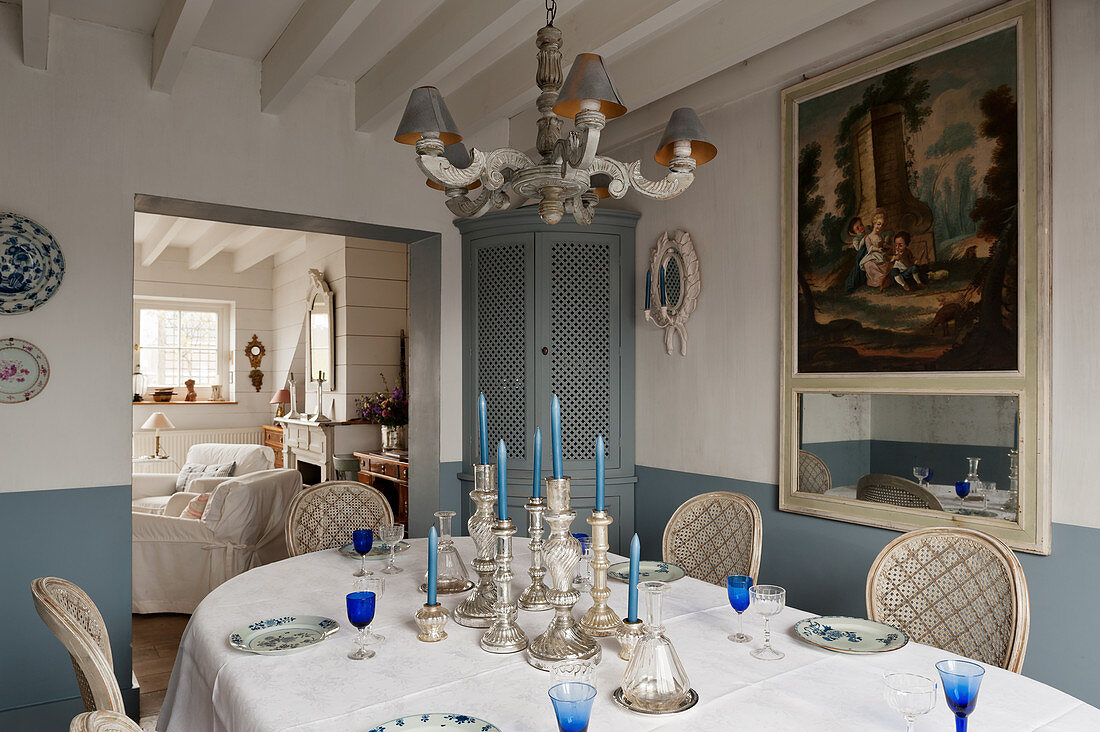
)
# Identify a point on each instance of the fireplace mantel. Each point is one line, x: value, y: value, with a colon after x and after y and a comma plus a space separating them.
x: 315, y: 443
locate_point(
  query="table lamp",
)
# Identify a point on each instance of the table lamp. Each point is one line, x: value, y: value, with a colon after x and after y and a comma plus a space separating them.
x: 280, y: 398
x: 157, y: 421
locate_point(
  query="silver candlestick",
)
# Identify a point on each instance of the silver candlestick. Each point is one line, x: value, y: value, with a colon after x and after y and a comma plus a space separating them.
x: 564, y: 639
x: 534, y: 596
x: 600, y: 620
x: 476, y: 611
x: 504, y: 635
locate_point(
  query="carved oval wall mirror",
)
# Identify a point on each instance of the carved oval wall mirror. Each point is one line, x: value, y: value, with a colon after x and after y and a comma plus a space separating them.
x: 674, y: 283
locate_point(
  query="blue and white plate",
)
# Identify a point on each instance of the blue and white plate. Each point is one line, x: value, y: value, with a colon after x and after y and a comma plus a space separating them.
x: 647, y: 571
x: 377, y: 551
x: 436, y: 720
x: 278, y: 636
x: 850, y: 635
x: 31, y: 264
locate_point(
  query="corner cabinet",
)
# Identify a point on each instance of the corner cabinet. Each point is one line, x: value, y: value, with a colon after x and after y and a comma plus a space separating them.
x: 550, y: 310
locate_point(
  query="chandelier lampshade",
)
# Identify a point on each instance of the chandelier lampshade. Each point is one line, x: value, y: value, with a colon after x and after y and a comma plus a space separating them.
x: 588, y: 82
x: 685, y: 126
x: 458, y: 156
x: 600, y: 182
x: 426, y: 115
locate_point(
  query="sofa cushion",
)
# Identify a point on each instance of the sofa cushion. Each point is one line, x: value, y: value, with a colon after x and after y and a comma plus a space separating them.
x: 152, y: 504
x: 190, y: 471
x: 249, y: 458
x: 196, y: 506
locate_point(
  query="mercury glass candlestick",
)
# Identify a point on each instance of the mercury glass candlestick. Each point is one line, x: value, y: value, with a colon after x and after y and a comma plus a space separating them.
x: 476, y: 611
x: 504, y: 635
x: 629, y: 634
x: 564, y: 639
x: 600, y: 620
x: 431, y: 620
x: 534, y: 596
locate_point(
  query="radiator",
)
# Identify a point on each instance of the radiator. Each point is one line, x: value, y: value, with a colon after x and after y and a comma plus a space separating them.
x: 177, y: 442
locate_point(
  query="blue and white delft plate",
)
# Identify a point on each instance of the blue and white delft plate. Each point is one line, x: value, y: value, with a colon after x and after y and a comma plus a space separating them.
x: 31, y: 264
x: 377, y: 551
x: 647, y: 571
x: 850, y: 635
x: 436, y: 720
x: 278, y: 636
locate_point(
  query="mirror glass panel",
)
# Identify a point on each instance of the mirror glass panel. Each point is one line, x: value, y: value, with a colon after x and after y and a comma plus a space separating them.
x: 911, y: 449
x: 320, y: 340
x: 674, y: 287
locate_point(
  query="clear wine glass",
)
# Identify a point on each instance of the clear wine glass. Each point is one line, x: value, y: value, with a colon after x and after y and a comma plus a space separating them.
x: 391, y: 534
x: 737, y: 587
x: 360, y: 614
x: 579, y: 670
x: 362, y: 540
x: 767, y: 601
x: 921, y: 474
x: 377, y: 586
x: 910, y: 695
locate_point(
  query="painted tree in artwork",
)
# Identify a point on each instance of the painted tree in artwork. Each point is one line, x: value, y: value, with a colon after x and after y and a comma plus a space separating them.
x: 809, y: 206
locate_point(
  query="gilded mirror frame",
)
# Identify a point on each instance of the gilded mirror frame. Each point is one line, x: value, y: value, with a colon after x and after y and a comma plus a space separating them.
x: 319, y: 291
x: 1030, y: 382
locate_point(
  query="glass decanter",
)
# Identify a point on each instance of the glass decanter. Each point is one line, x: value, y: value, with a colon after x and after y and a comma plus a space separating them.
x: 972, y: 475
x: 451, y: 570
x: 655, y: 680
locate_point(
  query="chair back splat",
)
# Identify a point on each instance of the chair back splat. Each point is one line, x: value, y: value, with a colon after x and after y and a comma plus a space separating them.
x: 323, y: 516
x: 714, y: 535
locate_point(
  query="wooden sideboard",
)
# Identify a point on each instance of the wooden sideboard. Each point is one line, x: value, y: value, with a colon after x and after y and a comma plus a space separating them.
x: 273, y: 438
x: 389, y: 473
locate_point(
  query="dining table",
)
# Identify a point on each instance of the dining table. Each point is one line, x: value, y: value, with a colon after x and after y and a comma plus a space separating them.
x: 217, y: 687
x: 988, y: 502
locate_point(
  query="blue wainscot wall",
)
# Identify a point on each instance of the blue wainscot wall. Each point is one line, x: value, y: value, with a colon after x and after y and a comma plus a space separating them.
x: 82, y: 535
x: 823, y: 564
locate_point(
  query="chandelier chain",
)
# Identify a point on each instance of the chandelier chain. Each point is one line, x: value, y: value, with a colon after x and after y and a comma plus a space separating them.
x: 551, y: 11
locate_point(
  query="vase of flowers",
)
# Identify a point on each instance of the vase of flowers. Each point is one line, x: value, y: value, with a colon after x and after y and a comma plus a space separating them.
x: 390, y: 410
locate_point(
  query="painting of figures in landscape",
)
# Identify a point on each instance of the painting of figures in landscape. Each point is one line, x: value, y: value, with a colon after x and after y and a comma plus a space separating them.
x: 906, y: 222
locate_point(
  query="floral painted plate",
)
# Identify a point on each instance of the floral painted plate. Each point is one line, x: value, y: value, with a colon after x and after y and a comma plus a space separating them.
x: 378, y: 551
x: 436, y: 720
x: 31, y: 264
x: 278, y: 636
x: 24, y: 370
x: 850, y: 635
x: 647, y: 571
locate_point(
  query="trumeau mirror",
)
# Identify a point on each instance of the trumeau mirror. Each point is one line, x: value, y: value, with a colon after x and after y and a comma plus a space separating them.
x: 916, y: 313
x: 320, y: 331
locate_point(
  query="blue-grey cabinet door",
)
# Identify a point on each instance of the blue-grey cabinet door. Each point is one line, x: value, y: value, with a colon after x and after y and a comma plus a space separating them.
x: 577, y: 317
x: 502, y: 280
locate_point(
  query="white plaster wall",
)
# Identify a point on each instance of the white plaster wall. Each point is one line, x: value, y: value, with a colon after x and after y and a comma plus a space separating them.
x: 944, y: 419
x: 82, y: 138
x: 719, y: 405
x: 836, y: 418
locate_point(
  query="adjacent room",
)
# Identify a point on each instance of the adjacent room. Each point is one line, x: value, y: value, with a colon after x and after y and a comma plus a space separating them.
x: 577, y: 364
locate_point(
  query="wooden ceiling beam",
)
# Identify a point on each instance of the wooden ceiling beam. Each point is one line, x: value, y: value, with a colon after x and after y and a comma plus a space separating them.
x: 177, y: 28
x: 216, y: 240
x: 36, y: 33
x: 159, y: 238
x: 265, y: 246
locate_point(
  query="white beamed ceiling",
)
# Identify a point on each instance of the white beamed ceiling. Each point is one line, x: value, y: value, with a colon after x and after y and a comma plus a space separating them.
x: 481, y: 54
x: 203, y: 240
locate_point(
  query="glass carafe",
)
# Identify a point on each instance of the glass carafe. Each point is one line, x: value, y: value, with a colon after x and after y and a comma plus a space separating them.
x: 451, y: 570
x: 972, y: 475
x: 655, y: 680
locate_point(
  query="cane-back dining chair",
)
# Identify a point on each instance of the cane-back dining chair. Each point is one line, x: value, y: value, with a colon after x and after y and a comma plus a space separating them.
x: 883, y: 488
x: 103, y: 722
x: 813, y: 473
x: 957, y: 589
x: 714, y: 535
x: 72, y: 616
x: 323, y: 516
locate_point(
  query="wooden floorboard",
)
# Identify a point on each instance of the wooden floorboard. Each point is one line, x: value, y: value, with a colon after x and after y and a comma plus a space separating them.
x: 156, y: 639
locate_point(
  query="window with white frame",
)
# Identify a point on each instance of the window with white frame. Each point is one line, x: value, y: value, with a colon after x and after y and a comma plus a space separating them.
x: 177, y: 340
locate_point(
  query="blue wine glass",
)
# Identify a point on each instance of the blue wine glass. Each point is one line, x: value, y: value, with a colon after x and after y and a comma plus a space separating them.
x: 737, y: 586
x: 360, y: 614
x: 962, y: 488
x: 362, y: 540
x: 573, y: 705
x: 961, y: 680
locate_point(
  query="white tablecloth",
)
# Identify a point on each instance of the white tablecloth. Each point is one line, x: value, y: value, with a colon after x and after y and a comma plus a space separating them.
x: 214, y: 687
x: 995, y: 504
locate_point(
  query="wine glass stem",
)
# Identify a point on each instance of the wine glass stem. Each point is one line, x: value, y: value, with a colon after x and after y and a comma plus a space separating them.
x: 960, y: 724
x: 909, y: 722
x: 740, y: 623
x: 363, y: 563
x: 361, y: 638
x: 767, y: 633
x: 392, y: 552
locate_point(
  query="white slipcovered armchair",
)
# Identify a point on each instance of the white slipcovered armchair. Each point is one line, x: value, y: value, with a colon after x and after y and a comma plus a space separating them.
x: 179, y: 560
x: 152, y: 492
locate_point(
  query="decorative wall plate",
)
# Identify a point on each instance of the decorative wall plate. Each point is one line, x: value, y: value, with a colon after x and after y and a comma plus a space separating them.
x: 278, y: 636
x: 647, y: 570
x: 850, y: 635
x: 437, y: 720
x: 24, y: 370
x: 31, y: 264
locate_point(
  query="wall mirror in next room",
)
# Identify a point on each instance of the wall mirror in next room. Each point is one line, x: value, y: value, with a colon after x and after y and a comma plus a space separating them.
x: 321, y: 331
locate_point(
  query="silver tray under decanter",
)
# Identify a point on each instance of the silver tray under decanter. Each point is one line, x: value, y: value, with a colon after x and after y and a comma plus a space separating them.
x: 618, y: 698
x: 457, y: 591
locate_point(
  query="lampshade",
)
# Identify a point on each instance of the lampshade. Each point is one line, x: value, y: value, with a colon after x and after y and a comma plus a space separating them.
x: 599, y: 183
x: 281, y: 397
x: 426, y: 112
x: 157, y: 421
x: 588, y: 79
x: 458, y: 156
x: 684, y: 124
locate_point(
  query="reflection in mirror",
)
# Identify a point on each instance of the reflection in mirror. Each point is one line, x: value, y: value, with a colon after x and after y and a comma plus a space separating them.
x: 673, y: 279
x: 912, y: 450
x: 320, y: 335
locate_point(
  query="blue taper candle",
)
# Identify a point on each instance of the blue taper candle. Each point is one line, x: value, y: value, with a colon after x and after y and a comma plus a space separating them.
x: 599, y: 473
x: 661, y: 284
x: 632, y: 591
x: 483, y: 428
x: 536, y: 491
x: 648, y: 284
x: 502, y: 481
x: 555, y: 434
x: 433, y: 555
